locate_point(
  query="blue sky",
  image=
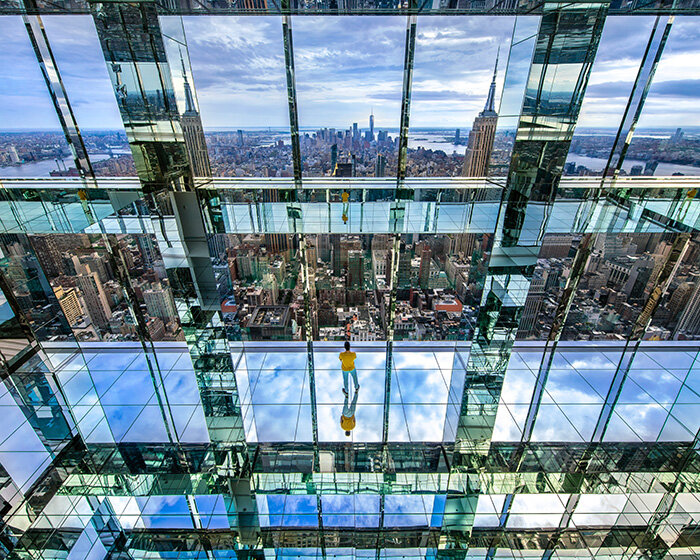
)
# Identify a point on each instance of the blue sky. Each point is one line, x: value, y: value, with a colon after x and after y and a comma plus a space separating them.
x: 345, y: 67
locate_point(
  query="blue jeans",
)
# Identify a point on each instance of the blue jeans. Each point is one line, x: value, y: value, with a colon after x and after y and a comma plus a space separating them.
x: 349, y: 411
x: 353, y: 372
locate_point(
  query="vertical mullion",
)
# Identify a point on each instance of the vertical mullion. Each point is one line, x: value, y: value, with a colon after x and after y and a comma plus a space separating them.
x: 292, y: 98
x: 409, y: 56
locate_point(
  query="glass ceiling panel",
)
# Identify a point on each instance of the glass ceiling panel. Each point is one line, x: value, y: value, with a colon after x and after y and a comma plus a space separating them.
x: 667, y: 140
x: 239, y: 75
x: 31, y: 138
x: 78, y: 55
x: 349, y: 93
x: 450, y: 87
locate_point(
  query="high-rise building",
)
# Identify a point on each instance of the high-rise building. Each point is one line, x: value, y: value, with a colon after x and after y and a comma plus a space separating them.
x: 371, y: 126
x: 69, y: 301
x: 159, y: 303
x: 380, y: 166
x: 481, y: 136
x: 334, y: 157
x: 354, y: 278
x: 96, y: 301
x: 689, y: 322
x: 14, y: 156
x: 277, y: 242
x: 48, y: 253
x: 193, y: 132
x: 425, y: 262
x: 255, y: 5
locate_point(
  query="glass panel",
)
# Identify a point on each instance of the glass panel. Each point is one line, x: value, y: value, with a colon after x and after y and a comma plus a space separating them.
x: 93, y: 301
x: 79, y: 58
x: 447, y: 94
x: 667, y: 140
x: 614, y: 72
x: 260, y: 274
x: 349, y: 96
x: 517, y: 69
x: 617, y: 281
x: 239, y: 75
x: 32, y: 143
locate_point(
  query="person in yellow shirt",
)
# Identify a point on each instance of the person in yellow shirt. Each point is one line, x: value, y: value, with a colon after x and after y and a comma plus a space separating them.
x: 690, y: 195
x: 347, y: 418
x: 347, y: 358
x: 346, y: 206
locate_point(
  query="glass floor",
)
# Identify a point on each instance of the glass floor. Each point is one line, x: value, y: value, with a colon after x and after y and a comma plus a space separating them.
x: 110, y: 391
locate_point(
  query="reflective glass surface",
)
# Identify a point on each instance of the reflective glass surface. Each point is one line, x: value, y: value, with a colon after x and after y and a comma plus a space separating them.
x: 326, y: 280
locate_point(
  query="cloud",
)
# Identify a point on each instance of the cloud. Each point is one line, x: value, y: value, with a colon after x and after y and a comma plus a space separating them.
x: 347, y: 66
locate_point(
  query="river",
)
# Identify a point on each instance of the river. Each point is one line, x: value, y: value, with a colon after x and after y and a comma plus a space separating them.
x: 662, y: 170
x: 42, y: 168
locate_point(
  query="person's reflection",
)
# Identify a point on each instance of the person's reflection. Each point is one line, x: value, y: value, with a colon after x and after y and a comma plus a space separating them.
x: 346, y: 206
x: 347, y: 418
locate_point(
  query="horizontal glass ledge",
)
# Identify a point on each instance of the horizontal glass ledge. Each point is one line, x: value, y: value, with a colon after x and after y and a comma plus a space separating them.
x: 339, y: 184
x: 446, y: 205
x: 401, y: 531
x: 357, y: 481
x: 647, y: 466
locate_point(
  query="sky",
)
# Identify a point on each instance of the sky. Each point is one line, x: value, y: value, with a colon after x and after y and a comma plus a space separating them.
x: 347, y: 67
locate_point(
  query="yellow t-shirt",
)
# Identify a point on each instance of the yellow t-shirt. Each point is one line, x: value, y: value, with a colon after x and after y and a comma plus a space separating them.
x: 348, y: 360
x: 345, y: 196
x: 346, y: 423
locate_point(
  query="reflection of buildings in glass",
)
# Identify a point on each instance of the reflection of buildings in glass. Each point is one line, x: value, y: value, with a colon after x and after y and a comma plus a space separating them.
x: 96, y: 302
x: 270, y: 322
x: 159, y: 303
x: 481, y: 136
x: 689, y: 322
x: 193, y: 131
x: 69, y: 300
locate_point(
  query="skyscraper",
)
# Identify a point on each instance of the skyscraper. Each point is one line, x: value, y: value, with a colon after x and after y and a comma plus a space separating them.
x: 371, y: 125
x: 96, y: 302
x: 424, y: 270
x: 689, y: 322
x: 194, y: 133
x: 159, y: 303
x: 334, y: 157
x: 69, y: 300
x: 380, y: 166
x: 480, y: 143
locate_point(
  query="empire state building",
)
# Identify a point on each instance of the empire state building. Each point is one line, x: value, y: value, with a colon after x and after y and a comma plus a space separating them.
x: 480, y: 144
x: 193, y: 131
